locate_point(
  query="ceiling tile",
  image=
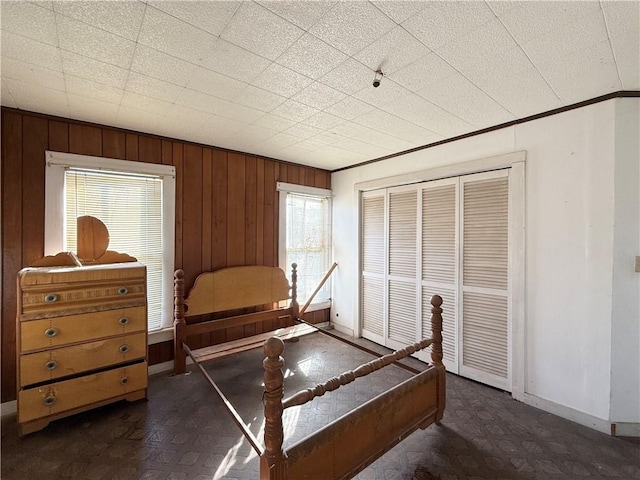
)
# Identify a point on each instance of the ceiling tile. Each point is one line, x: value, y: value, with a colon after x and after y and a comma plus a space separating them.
x: 443, y: 22
x: 392, y: 51
x: 372, y: 137
x: 623, y: 28
x: 258, y: 98
x: 138, y: 120
x: 162, y: 66
x: 318, y: 96
x: 361, y: 148
x: 233, y: 61
x: 251, y: 135
x: 387, y: 92
x: 7, y: 98
x: 92, y: 42
x: 29, y: 20
x: 326, y: 138
x: 209, y: 16
x: 281, y: 80
x: 30, y: 73
x: 218, y: 106
x: 424, y: 71
x: 349, y: 108
x: 349, y: 77
x: 274, y: 122
x: 136, y: 101
x: 399, y: 10
x: 500, y: 7
x: 215, y: 84
x: 168, y: 34
x: 90, y: 89
x: 276, y: 34
x: 295, y: 111
x: 460, y: 97
x: 482, y: 46
x: 311, y: 56
x: 303, y: 131
x: 323, y: 121
x: 282, y: 139
x: 531, y: 20
x: 303, y: 14
x: 351, y: 26
x: 31, y: 51
x: 91, y: 109
x: 397, y: 127
x: 31, y: 97
x: 153, y: 88
x: 120, y: 18
x: 85, y: 67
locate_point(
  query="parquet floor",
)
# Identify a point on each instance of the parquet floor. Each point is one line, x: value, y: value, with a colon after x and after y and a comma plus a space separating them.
x: 183, y: 432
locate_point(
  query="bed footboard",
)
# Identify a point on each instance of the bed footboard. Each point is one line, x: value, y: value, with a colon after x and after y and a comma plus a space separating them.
x: 346, y: 446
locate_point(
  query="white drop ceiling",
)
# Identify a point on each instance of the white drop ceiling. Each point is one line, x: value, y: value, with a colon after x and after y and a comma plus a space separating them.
x: 292, y: 80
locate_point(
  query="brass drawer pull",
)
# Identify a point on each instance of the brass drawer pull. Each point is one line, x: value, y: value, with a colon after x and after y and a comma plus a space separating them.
x: 123, y: 321
x: 51, y: 365
x: 124, y: 380
x: 51, y: 297
x: 124, y: 348
x: 123, y: 291
x: 49, y: 400
x: 51, y: 332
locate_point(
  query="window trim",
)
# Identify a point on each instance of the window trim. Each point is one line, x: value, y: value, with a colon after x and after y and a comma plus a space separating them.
x: 56, y: 164
x: 283, y: 189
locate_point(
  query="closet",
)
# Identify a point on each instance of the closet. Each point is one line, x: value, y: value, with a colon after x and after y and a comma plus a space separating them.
x: 448, y: 237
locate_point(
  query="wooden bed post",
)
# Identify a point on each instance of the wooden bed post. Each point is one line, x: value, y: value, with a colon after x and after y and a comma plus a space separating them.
x: 273, y: 462
x: 179, y: 323
x: 295, y: 308
x: 436, y: 351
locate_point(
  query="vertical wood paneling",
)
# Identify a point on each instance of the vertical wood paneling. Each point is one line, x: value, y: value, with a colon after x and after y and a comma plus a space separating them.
x: 85, y: 140
x: 220, y: 187
x: 260, y: 211
x: 58, y: 136
x: 113, y: 144
x: 11, y: 244
x: 211, y: 185
x: 250, y: 211
x: 192, y: 213
x: 35, y: 138
x: 177, y: 156
x: 236, y: 210
x: 207, y: 209
x: 269, y: 212
x: 131, y: 147
x: 149, y: 149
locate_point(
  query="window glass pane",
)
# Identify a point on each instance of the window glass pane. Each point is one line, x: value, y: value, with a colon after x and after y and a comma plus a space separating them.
x: 131, y: 208
x: 307, y: 243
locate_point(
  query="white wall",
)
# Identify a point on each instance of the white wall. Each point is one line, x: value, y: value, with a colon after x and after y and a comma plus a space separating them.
x: 571, y: 171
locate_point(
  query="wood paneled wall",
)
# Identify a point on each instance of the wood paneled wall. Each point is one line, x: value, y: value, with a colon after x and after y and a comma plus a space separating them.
x: 226, y: 204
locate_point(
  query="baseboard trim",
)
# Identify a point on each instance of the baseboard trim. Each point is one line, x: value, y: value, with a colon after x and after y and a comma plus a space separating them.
x: 581, y: 418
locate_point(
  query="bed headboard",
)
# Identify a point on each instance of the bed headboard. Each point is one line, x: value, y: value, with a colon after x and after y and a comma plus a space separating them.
x: 236, y: 287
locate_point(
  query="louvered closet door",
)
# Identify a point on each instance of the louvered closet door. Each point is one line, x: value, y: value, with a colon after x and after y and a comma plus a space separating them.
x: 373, y: 266
x: 485, y: 349
x: 440, y: 263
x: 402, y: 287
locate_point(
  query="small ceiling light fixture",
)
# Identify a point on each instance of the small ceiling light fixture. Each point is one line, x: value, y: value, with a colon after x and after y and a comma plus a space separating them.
x: 377, y: 78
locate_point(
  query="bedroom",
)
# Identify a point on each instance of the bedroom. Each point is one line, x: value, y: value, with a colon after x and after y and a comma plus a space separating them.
x: 580, y: 198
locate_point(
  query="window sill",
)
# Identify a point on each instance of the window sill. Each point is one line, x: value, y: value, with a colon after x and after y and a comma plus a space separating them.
x: 159, y: 336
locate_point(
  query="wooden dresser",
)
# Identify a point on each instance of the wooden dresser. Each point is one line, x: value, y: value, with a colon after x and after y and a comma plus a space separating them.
x: 81, y: 339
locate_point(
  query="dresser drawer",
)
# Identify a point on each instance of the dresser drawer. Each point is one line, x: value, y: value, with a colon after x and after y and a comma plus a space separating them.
x: 58, y: 331
x: 62, y: 396
x: 61, y: 362
x: 44, y: 301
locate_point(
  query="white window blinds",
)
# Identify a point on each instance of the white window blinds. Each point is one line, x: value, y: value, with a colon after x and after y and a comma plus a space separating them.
x: 130, y: 205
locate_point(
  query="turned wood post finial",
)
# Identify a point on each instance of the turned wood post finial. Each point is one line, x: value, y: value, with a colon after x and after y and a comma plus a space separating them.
x: 436, y: 329
x: 178, y: 296
x: 273, y: 393
x: 179, y: 324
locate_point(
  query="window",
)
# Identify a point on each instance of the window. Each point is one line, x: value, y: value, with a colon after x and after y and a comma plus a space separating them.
x: 134, y: 200
x: 305, y: 239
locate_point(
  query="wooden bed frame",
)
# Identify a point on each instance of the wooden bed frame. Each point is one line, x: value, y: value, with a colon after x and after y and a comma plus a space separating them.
x: 347, y: 445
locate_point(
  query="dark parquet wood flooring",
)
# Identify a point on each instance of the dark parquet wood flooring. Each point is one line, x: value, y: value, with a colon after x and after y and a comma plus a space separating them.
x: 183, y: 432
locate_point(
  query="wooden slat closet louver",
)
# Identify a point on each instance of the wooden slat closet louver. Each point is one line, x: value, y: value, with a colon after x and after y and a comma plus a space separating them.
x: 439, y: 262
x: 485, y: 220
x: 373, y: 264
x: 403, y: 238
